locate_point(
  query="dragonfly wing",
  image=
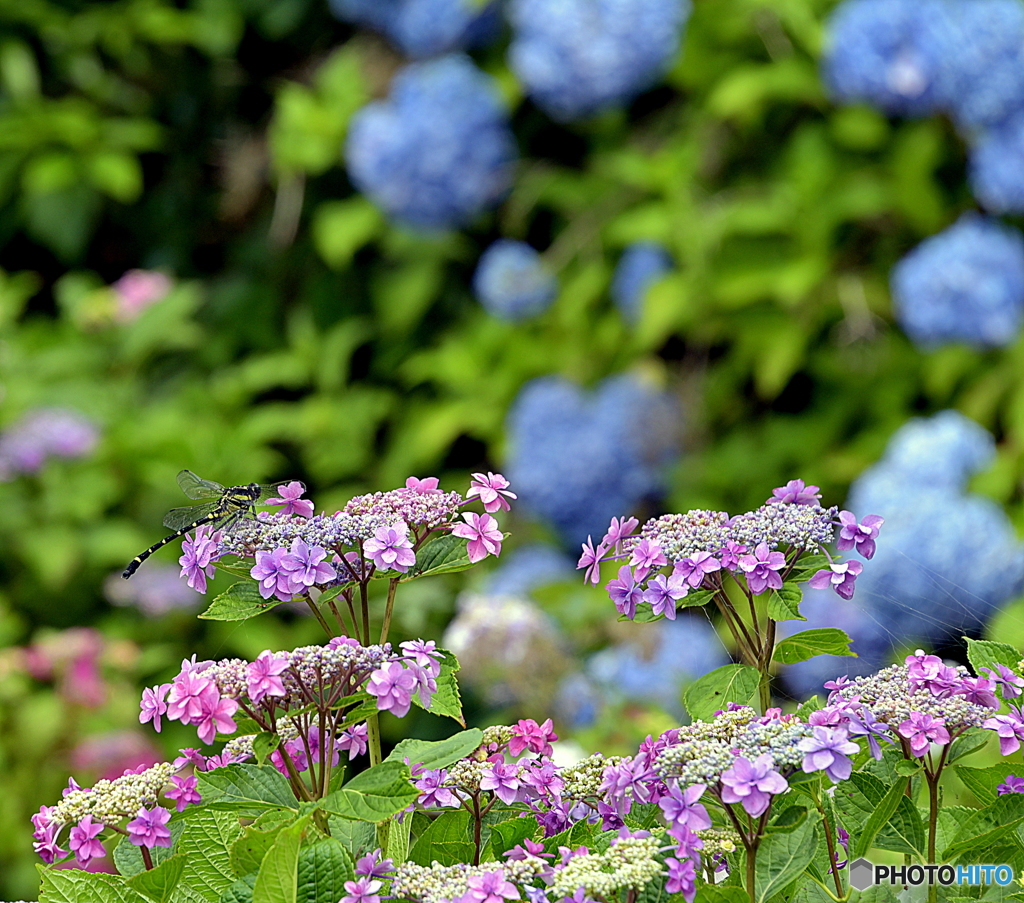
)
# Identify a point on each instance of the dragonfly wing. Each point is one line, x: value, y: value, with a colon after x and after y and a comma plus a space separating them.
x: 180, y: 518
x: 198, y: 488
x: 273, y: 490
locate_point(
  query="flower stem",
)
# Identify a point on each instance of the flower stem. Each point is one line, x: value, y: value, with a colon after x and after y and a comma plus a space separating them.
x: 388, y: 608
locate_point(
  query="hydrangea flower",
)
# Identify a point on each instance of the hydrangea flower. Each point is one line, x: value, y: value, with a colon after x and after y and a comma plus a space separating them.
x: 578, y: 57
x: 43, y: 433
x: 511, y: 281
x: 641, y: 265
x: 965, y: 284
x: 438, y: 151
x: 996, y: 166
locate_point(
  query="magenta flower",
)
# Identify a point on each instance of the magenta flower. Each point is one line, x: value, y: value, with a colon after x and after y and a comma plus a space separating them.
x: 1010, y: 684
x: 273, y: 576
x: 84, y: 843
x: 527, y: 734
x: 980, y: 691
x: 796, y: 493
x: 860, y: 537
x: 305, y: 565
x: 625, y: 593
x: 646, y: 557
x: 149, y: 827
x: 663, y: 593
x: 1009, y: 727
x: 692, y: 570
x: 373, y: 866
x: 362, y: 890
x: 291, y: 498
x: 502, y: 779
x: 828, y: 750
x: 390, y: 548
x: 682, y: 878
x: 184, y: 791
x: 263, y: 676
x: 425, y: 654
x: 490, y: 887
x: 215, y: 717
x: 432, y: 792
x: 591, y: 560
x: 762, y: 568
x: 394, y: 686
x: 619, y: 530
x: 544, y: 778
x: 923, y: 730
x: 46, y: 846
x: 483, y: 534
x: 184, y: 703
x: 154, y: 704
x: 493, y: 491
x: 752, y: 784
x: 354, y: 740
x: 426, y: 486
x: 684, y: 809
x: 198, y: 554
x: 730, y: 554
x: 840, y: 577
x: 930, y: 673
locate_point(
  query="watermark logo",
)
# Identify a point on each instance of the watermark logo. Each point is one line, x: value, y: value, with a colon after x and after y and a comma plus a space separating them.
x: 865, y: 874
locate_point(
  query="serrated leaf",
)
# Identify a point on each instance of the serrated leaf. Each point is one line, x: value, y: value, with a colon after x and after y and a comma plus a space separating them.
x: 434, y: 754
x: 716, y: 689
x: 711, y: 893
x: 968, y: 742
x: 782, y: 858
x: 78, y: 886
x: 324, y: 867
x: 908, y: 768
x: 447, y: 700
x: 987, y: 826
x: 248, y: 851
x: 982, y: 782
x: 904, y: 832
x: 695, y: 599
x: 128, y: 857
x: 445, y: 554
x: 808, y: 643
x: 240, y: 891
x: 811, y: 564
x: 238, y: 602
x: 277, y: 879
x: 446, y: 840
x: 876, y: 804
x: 263, y: 744
x: 784, y: 604
x: 159, y: 882
x: 987, y: 654
x: 374, y: 794
x: 505, y: 835
x: 246, y: 789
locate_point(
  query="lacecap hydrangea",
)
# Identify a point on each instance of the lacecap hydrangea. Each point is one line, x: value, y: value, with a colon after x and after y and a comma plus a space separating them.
x: 438, y: 151
x: 578, y: 57
x: 951, y: 558
x: 512, y: 282
x: 580, y: 458
x: 641, y: 265
x: 965, y: 284
x: 421, y: 28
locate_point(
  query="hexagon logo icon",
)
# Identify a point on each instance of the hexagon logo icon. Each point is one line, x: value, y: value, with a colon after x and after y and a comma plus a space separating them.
x: 862, y: 874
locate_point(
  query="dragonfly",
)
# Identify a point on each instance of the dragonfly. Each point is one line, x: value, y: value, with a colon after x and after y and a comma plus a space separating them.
x: 219, y: 506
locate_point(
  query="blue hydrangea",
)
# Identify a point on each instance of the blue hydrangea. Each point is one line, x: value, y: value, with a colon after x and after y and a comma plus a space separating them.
x: 439, y: 150
x: 421, y: 28
x: 640, y: 266
x: 651, y: 669
x: 947, y: 559
x: 894, y: 54
x: 988, y: 59
x: 578, y: 459
x: 511, y: 281
x: 997, y: 167
x: 965, y: 284
x: 578, y: 57
x: 524, y: 569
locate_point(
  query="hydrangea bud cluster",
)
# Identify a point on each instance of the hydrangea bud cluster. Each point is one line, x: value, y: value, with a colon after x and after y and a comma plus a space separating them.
x: 463, y: 882
x: 133, y: 797
x: 677, y: 553
x: 630, y: 863
x: 295, y: 550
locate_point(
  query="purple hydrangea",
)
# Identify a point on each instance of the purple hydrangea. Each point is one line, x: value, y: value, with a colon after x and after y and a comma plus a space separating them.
x: 752, y: 784
x: 439, y: 150
x: 511, y: 281
x: 46, y: 432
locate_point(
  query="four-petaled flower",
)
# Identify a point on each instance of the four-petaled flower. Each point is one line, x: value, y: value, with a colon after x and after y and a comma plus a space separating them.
x: 752, y: 784
x: 149, y: 827
x: 493, y: 491
x: 922, y: 730
x: 394, y: 686
x: 274, y: 577
x: 682, y: 808
x: 184, y: 791
x: 692, y: 570
x: 859, y: 536
x: 483, y: 534
x: 796, y: 493
x: 390, y: 548
x: 154, y: 704
x: 291, y: 498
x: 828, y: 749
x: 646, y: 557
x: 263, y: 676
x: 625, y: 593
x: 362, y: 890
x: 840, y: 577
x: 663, y: 593
x: 83, y: 841
x: 198, y: 554
x: 305, y: 565
x: 762, y: 568
x: 1009, y: 727
x: 490, y: 887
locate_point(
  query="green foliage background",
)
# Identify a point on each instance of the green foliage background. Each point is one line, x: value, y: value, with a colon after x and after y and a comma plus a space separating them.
x: 308, y: 338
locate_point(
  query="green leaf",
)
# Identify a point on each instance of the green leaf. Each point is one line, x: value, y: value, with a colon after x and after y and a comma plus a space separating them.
x: 324, y: 867
x: 782, y: 857
x: 340, y: 228
x: 277, y: 880
x: 711, y: 893
x: 248, y: 851
x: 205, y: 844
x: 434, y: 754
x: 904, y: 832
x: 374, y: 794
x: 246, y: 789
x: 77, y: 886
x: 982, y: 782
x: 809, y: 643
x: 128, y: 857
x: 692, y: 600
x: 263, y: 744
x: 505, y: 835
x: 987, y: 654
x: 968, y: 742
x: 444, y: 554
x: 159, y: 882
x: 784, y: 604
x: 875, y: 802
x: 446, y: 840
x: 986, y: 826
x: 239, y: 602
x: 240, y: 891
x: 393, y: 838
x: 447, y: 700
x: 810, y: 564
x: 716, y: 689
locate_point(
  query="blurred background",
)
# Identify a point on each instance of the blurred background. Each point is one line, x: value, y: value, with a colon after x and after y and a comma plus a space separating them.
x: 638, y: 255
